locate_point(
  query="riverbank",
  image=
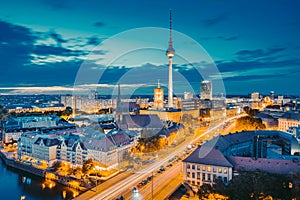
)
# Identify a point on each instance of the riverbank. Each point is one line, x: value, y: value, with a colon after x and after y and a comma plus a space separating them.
x: 21, y: 166
x: 36, y: 171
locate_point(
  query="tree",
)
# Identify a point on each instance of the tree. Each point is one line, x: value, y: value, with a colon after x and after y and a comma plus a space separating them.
x: 248, y: 123
x: 150, y: 144
x: 56, y: 165
x: 88, y: 166
x: 251, y: 112
x: 215, y: 196
x: 76, y: 171
x: 68, y: 111
x: 260, y: 185
x: 204, y: 191
x: 208, y: 192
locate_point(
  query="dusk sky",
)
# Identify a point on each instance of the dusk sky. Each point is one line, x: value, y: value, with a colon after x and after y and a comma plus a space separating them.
x: 255, y: 45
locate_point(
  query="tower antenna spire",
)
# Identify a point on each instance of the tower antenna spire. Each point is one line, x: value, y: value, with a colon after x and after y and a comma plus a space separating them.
x: 170, y: 41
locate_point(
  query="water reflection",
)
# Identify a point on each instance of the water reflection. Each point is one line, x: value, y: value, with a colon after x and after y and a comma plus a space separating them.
x: 16, y: 183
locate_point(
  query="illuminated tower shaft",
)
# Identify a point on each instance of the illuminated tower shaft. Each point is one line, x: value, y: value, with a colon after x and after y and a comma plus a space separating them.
x: 170, y: 85
x: 170, y: 53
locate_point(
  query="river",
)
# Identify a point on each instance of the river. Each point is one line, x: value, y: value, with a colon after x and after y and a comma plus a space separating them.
x: 15, y: 183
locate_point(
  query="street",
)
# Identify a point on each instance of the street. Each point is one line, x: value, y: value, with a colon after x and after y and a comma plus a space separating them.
x: 130, y: 182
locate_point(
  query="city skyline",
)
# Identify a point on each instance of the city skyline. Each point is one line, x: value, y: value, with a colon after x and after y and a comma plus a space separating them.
x: 253, y: 44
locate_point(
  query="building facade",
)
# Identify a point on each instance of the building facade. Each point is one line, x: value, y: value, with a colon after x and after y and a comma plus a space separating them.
x: 44, y: 149
x: 37, y: 146
x: 289, y: 119
x: 158, y: 102
x: 255, y: 96
x: 269, y: 151
x: 205, y: 166
x: 206, y: 90
x: 14, y: 127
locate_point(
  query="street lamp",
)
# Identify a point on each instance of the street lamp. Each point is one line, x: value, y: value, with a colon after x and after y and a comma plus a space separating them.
x: 152, y: 185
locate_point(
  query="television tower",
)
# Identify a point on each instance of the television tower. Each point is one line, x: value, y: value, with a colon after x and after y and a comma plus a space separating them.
x: 170, y: 53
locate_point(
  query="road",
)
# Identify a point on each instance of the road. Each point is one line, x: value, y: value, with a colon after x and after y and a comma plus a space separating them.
x: 103, y: 186
x: 163, y: 183
x: 228, y: 128
x: 127, y: 184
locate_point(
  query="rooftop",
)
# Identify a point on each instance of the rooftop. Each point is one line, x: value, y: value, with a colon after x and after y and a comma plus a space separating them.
x: 270, y: 165
x: 208, y: 156
x: 47, y: 141
x: 291, y: 115
x: 142, y: 121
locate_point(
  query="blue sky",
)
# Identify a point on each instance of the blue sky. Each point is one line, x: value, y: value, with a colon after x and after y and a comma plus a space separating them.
x: 254, y: 44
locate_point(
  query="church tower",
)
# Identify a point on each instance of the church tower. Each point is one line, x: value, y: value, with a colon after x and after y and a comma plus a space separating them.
x: 158, y: 102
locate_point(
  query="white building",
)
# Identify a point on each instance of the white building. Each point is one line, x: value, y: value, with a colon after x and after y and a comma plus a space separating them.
x: 41, y: 147
x: 25, y: 144
x: 44, y: 149
x: 108, y: 149
x: 204, y: 166
x: 255, y: 96
x: 206, y: 90
x: 289, y: 119
x: 72, y: 150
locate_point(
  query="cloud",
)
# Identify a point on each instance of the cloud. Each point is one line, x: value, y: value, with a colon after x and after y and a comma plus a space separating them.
x: 94, y: 41
x: 57, y: 37
x: 258, y: 68
x: 56, y: 4
x: 258, y: 53
x: 14, y: 34
x: 98, y: 24
x: 16, y: 45
x: 263, y: 69
x: 56, y: 50
x: 229, y: 38
x: 99, y: 52
x: 214, y: 20
x: 27, y: 57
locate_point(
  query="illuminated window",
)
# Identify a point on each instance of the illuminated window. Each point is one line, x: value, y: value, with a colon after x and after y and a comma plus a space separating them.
x: 208, y: 169
x: 225, y: 171
x: 220, y: 170
x: 203, y: 168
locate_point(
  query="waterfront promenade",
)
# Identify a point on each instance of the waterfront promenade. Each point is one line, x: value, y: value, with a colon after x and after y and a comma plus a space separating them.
x: 11, y: 162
